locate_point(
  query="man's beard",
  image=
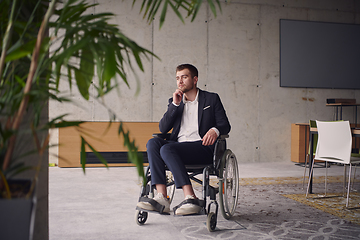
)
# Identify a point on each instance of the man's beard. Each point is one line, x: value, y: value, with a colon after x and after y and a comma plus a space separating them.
x: 186, y: 89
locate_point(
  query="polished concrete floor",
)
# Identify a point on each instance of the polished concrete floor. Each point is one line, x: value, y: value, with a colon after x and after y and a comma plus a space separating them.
x: 101, y: 205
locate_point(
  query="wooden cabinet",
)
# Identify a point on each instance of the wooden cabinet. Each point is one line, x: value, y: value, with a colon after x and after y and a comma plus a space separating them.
x: 105, y: 139
x: 299, y: 142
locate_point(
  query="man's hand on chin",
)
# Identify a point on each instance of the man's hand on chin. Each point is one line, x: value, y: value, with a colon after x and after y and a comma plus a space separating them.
x: 177, y: 96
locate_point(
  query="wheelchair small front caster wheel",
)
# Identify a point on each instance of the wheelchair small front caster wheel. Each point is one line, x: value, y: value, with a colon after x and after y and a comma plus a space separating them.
x: 140, y: 217
x: 211, y: 222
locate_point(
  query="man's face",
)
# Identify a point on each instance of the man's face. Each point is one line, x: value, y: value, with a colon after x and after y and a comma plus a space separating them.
x: 184, y: 80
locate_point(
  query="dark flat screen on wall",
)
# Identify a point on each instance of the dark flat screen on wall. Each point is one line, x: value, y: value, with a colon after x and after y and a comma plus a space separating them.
x: 319, y: 55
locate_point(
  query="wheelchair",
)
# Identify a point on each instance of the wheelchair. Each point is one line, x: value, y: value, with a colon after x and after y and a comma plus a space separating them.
x: 224, y: 167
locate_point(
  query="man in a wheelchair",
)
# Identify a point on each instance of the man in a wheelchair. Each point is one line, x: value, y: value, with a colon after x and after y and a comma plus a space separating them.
x: 196, y: 118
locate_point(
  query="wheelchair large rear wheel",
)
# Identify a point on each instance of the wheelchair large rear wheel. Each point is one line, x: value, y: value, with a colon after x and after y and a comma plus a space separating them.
x: 228, y: 184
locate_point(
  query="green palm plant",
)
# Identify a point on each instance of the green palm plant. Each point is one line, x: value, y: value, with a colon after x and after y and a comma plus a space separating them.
x: 37, y: 53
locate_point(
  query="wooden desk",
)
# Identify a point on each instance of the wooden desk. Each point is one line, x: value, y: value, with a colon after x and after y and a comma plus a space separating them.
x: 105, y: 139
x: 341, y: 105
x: 355, y: 132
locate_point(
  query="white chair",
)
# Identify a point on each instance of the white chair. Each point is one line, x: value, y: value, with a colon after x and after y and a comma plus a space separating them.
x: 334, y: 145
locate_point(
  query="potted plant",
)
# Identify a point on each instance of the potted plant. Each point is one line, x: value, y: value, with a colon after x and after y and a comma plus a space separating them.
x: 43, y: 43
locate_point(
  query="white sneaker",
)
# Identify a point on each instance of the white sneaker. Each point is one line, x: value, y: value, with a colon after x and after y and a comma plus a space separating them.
x: 158, y: 198
x: 188, y: 208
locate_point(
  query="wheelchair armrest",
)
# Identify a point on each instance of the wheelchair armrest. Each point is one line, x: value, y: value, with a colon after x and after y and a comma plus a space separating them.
x: 222, y: 137
x: 162, y: 135
x: 220, y: 147
x: 167, y: 136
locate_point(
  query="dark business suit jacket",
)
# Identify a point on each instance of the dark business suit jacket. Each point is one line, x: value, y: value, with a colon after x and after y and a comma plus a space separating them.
x: 211, y: 114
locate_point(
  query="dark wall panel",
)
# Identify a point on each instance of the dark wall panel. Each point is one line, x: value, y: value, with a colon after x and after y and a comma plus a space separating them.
x: 319, y: 55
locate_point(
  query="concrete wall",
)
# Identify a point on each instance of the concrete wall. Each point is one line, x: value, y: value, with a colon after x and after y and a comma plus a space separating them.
x: 237, y: 55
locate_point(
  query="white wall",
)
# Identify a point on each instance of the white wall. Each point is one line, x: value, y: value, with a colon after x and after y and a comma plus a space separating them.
x: 237, y: 55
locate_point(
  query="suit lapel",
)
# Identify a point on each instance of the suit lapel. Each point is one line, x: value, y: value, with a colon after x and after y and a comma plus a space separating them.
x: 201, y: 106
x: 181, y: 110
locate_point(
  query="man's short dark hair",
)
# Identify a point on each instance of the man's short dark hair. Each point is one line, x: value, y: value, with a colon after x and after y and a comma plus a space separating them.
x: 193, y: 70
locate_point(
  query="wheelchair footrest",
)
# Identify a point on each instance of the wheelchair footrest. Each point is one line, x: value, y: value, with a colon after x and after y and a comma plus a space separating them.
x: 153, y: 211
x: 197, y: 202
x: 157, y: 206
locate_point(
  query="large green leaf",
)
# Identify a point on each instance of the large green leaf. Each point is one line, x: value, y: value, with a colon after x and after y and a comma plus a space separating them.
x: 109, y: 64
x: 150, y: 8
x: 133, y: 155
x: 87, y: 64
x: 83, y: 154
x: 84, y: 143
x: 82, y: 83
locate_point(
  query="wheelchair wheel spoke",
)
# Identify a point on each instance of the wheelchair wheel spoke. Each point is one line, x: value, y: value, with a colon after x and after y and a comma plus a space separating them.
x: 230, y: 185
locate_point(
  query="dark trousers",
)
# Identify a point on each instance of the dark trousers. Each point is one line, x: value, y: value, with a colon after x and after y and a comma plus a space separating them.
x: 175, y: 156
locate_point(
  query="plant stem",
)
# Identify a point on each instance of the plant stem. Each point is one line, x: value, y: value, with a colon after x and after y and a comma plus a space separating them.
x: 25, y: 99
x: 6, y: 41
